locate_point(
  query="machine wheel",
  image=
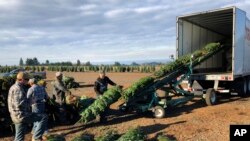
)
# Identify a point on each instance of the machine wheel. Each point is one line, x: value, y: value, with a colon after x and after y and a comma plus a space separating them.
x: 123, y: 108
x: 211, y: 97
x: 159, y: 112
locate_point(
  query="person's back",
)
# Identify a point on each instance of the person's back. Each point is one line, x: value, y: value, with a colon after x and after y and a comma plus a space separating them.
x: 37, y: 95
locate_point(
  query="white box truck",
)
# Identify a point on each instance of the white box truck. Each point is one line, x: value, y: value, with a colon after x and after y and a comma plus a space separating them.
x: 228, y: 71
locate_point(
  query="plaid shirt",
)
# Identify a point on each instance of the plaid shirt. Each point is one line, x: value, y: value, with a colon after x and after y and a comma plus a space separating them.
x: 37, y: 94
x: 17, y: 103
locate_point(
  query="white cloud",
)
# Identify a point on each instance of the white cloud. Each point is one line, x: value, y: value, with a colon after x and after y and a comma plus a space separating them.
x: 117, y: 12
x: 88, y: 7
x: 8, y: 4
x: 94, y: 30
x: 90, y: 13
x: 139, y: 10
x: 142, y: 10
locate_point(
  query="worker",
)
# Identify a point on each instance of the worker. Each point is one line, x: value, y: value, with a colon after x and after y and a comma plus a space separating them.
x: 101, y: 84
x: 37, y: 97
x: 60, y: 92
x: 18, y: 106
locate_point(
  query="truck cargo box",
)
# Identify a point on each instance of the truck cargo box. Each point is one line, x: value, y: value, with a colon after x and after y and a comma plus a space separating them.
x: 227, y: 25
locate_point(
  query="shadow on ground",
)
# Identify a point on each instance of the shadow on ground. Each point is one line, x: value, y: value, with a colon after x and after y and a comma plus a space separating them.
x: 158, y: 127
x: 199, y: 103
x: 146, y: 129
x: 86, y: 86
x: 116, y: 116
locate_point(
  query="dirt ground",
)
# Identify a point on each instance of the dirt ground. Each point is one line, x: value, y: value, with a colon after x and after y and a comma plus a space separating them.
x: 193, y: 121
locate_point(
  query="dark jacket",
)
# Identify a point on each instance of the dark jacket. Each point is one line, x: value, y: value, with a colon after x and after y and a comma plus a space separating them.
x: 101, y: 85
x: 59, y: 90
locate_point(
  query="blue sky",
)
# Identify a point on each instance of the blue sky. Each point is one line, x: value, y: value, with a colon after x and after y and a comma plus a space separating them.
x: 94, y: 30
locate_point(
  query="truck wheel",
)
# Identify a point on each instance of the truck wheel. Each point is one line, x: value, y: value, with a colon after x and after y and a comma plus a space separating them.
x: 248, y: 85
x: 159, y: 112
x: 240, y: 85
x: 211, y: 97
x: 245, y: 87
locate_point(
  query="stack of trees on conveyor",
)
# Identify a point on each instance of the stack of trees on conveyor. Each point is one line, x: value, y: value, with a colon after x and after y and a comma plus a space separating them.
x: 113, y: 94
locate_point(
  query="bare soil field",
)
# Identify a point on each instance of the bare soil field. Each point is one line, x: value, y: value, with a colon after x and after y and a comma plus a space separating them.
x: 193, y: 121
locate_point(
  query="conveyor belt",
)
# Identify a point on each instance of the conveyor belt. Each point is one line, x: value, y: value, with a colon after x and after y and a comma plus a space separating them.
x: 171, y: 77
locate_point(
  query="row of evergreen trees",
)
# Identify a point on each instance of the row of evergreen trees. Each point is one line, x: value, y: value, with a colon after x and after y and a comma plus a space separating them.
x: 4, y: 69
x: 7, y: 68
x: 107, y: 68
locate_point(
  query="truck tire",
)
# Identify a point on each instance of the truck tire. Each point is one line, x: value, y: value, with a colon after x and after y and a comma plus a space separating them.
x: 240, y: 86
x: 159, y: 112
x: 248, y: 85
x: 211, y: 97
x: 245, y: 87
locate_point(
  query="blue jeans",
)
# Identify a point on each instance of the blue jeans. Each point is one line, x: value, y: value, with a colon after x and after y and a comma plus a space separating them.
x: 20, y: 128
x: 38, y: 109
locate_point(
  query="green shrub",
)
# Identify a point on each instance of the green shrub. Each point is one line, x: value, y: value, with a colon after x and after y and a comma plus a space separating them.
x: 134, y: 134
x: 82, y: 138
x: 109, y: 136
x: 163, y: 138
x: 55, y: 138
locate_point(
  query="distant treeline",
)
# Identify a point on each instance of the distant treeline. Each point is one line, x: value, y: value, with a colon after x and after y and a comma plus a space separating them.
x: 35, y: 62
x: 91, y: 68
x: 107, y: 68
x: 32, y: 64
